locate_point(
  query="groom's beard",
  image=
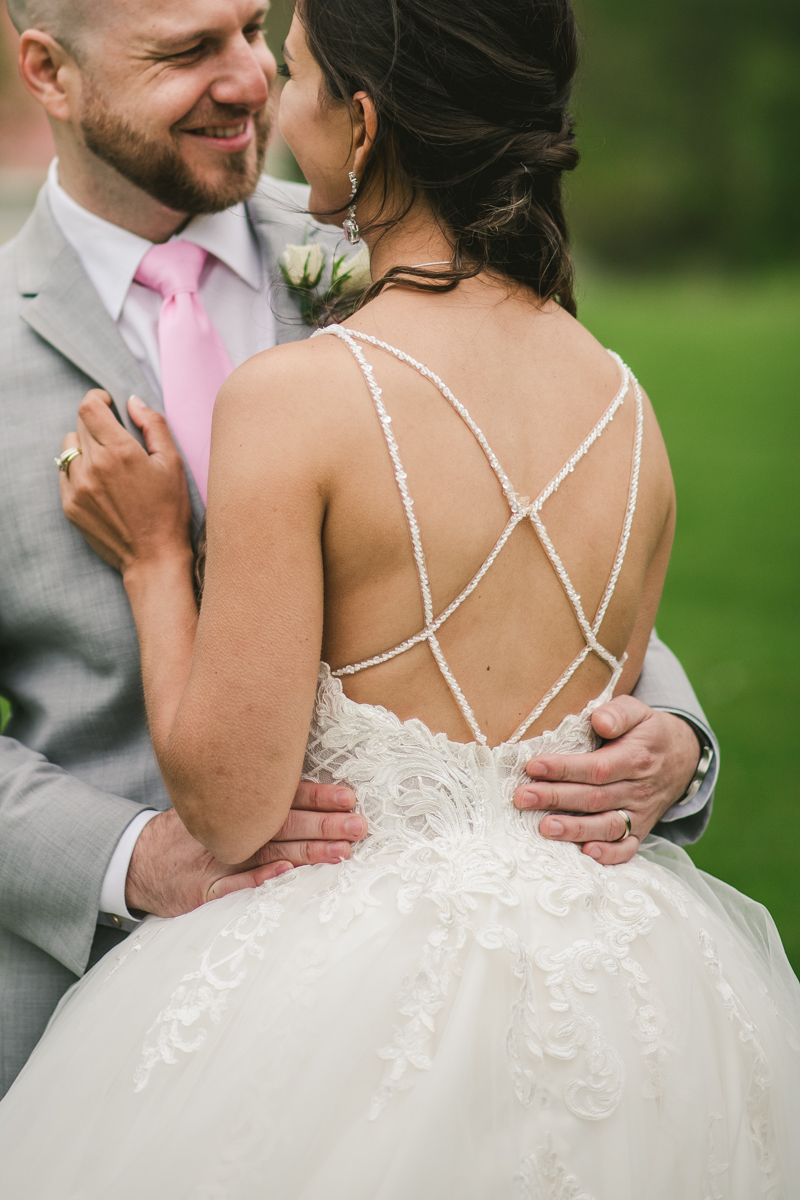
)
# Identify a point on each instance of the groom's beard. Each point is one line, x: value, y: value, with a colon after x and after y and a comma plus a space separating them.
x: 159, y: 169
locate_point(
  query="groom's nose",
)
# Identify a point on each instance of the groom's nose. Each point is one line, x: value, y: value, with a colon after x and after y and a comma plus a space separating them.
x: 245, y: 72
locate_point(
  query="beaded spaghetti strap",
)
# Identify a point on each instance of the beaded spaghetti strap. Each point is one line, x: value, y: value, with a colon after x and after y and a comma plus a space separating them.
x: 521, y: 507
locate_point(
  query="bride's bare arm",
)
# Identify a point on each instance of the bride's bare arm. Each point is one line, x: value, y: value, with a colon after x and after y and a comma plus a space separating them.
x: 133, y: 509
x: 229, y: 694
x: 232, y: 748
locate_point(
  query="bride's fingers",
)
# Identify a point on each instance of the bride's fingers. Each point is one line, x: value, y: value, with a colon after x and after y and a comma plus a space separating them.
x: 70, y: 441
x: 154, y: 427
x: 96, y: 421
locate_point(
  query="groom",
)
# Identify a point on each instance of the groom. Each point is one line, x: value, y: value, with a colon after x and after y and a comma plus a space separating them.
x: 155, y: 221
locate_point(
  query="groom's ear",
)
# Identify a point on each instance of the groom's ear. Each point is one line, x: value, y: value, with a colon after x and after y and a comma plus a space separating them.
x: 365, y: 129
x: 47, y: 68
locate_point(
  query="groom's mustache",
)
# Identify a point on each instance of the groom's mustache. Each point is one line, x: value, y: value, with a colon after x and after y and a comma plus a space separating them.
x: 221, y: 120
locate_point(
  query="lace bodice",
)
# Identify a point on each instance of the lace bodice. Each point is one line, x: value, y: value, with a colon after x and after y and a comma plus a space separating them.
x: 521, y: 508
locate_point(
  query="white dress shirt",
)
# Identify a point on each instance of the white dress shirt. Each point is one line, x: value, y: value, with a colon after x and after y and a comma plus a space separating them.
x: 234, y: 286
x: 234, y: 289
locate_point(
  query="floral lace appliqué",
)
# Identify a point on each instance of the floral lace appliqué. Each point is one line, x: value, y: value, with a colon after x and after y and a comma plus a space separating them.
x: 542, y: 1176
x: 202, y: 996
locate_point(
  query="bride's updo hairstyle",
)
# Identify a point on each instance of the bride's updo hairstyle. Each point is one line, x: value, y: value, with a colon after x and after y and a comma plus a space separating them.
x: 471, y: 98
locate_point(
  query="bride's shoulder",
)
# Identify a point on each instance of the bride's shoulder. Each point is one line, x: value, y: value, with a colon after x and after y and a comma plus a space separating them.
x: 574, y: 349
x: 594, y: 374
x: 308, y: 378
x: 580, y: 354
x: 299, y: 407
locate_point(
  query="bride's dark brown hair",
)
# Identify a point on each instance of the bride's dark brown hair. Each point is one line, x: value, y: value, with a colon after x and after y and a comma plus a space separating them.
x: 471, y: 98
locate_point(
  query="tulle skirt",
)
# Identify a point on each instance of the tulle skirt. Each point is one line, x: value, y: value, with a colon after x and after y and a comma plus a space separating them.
x: 580, y: 1033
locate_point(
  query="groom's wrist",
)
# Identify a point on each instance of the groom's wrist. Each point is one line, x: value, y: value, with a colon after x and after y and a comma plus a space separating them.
x: 143, y: 873
x: 113, y: 893
x: 687, y: 805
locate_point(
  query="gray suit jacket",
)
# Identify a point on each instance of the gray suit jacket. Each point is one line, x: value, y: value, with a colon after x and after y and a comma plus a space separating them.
x: 76, y: 763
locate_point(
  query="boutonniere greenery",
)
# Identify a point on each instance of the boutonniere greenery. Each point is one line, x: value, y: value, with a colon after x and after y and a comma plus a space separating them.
x: 323, y: 292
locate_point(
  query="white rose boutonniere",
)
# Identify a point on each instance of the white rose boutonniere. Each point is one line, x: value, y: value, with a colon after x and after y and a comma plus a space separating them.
x: 303, y: 268
x: 354, y: 275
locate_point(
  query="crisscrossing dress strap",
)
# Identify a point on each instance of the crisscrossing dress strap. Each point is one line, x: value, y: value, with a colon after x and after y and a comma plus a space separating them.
x: 521, y: 508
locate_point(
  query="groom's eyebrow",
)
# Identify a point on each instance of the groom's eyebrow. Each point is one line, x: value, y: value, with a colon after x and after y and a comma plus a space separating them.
x: 177, y: 41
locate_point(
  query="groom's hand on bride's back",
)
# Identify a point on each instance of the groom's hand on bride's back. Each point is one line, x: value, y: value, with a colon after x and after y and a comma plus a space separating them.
x: 645, y: 766
x: 171, y: 873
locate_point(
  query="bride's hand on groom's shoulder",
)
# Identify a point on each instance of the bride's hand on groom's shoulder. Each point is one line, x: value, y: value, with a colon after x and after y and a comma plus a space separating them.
x: 645, y: 766
x: 171, y: 873
x: 130, y: 502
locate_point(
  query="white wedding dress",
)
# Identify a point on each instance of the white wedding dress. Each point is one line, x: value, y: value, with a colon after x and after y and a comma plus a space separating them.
x: 462, y: 1011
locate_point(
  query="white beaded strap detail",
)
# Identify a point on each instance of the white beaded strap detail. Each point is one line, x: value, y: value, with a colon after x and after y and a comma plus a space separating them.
x: 535, y: 713
x: 399, y: 473
x: 572, y: 595
x: 429, y: 633
x: 457, y: 693
x: 590, y: 631
x: 435, y: 625
x: 590, y: 439
x: 502, y: 478
x: 518, y: 509
x: 632, y: 497
x: 521, y: 507
x: 592, y: 643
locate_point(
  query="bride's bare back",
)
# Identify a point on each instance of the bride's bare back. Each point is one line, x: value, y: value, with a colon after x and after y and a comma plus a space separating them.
x: 536, y: 384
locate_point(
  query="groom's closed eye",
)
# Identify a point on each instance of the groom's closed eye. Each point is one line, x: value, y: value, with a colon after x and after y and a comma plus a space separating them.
x: 192, y: 45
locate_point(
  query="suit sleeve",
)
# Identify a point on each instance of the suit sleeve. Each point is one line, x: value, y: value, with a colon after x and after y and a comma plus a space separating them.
x: 664, y: 684
x: 57, y: 836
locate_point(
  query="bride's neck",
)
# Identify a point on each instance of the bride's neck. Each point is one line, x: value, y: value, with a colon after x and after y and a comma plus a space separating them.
x: 416, y: 240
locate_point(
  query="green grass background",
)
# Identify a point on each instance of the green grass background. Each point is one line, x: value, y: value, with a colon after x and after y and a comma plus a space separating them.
x: 720, y: 360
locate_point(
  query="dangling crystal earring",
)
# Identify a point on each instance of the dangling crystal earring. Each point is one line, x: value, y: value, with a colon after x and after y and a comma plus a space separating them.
x: 350, y: 226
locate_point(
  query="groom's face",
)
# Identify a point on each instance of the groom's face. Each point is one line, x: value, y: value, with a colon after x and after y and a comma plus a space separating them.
x: 174, y: 95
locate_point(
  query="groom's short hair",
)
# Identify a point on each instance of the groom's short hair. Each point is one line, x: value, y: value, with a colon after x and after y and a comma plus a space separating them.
x: 62, y: 19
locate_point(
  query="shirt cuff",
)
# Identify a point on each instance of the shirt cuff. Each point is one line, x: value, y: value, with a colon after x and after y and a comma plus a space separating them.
x: 112, y: 893
x: 698, y: 802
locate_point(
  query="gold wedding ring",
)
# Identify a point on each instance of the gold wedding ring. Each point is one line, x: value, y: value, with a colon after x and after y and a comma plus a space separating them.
x: 63, y: 460
x: 628, y: 826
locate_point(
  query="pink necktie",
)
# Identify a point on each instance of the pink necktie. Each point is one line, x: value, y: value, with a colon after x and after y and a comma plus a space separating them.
x: 194, y: 361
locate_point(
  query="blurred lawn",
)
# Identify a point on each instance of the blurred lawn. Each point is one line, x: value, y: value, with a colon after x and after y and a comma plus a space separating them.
x: 721, y: 363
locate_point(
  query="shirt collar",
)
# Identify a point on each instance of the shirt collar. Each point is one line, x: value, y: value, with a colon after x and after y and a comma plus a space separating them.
x: 111, y: 255
x: 230, y: 237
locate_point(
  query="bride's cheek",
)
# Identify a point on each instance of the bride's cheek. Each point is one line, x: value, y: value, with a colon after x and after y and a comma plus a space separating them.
x: 296, y: 118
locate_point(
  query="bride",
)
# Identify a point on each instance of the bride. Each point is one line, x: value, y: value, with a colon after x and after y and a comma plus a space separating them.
x: 462, y: 505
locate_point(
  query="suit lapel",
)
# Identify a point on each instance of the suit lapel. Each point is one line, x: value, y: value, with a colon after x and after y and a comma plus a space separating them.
x: 273, y: 236
x: 62, y: 306
x: 276, y: 212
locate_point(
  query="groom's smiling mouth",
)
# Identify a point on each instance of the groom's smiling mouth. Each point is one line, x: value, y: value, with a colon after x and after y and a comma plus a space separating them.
x: 228, y: 137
